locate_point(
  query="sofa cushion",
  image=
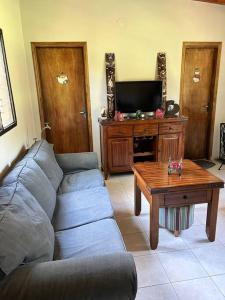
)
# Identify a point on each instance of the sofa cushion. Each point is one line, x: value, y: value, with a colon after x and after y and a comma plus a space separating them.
x: 42, y: 152
x: 28, y: 172
x: 81, y: 207
x: 97, y: 238
x: 81, y: 180
x: 26, y: 233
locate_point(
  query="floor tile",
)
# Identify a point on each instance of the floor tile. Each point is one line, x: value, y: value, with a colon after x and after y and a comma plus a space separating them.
x: 144, y: 219
x: 158, y: 292
x: 181, y: 265
x: 219, y: 281
x: 212, y: 259
x: 130, y: 225
x: 123, y: 209
x: 200, y: 213
x: 168, y: 242
x: 137, y: 243
x: 196, y: 237
x: 198, y: 289
x: 150, y: 271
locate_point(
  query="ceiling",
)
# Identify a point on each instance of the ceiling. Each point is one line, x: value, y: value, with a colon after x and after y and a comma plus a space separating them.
x: 213, y: 1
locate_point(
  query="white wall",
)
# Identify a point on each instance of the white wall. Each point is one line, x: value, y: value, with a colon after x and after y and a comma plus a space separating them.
x: 12, y: 141
x: 135, y: 31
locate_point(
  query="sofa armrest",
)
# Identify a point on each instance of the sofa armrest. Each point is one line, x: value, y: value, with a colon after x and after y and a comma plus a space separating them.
x: 70, y: 162
x: 103, y: 277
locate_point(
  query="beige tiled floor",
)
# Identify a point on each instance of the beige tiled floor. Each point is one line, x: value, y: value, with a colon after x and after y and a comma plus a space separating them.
x: 187, y: 267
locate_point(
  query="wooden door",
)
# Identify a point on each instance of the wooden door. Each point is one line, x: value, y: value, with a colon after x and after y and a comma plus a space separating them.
x: 120, y: 154
x: 63, y: 92
x: 170, y: 146
x: 198, y: 96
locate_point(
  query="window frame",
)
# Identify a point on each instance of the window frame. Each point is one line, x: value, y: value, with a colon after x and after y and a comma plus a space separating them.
x: 14, y: 122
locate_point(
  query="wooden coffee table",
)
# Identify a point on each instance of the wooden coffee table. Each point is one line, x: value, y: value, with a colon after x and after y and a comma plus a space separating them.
x: 195, y: 186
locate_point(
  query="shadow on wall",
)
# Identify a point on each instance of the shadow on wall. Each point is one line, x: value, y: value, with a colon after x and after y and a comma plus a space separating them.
x: 7, y: 168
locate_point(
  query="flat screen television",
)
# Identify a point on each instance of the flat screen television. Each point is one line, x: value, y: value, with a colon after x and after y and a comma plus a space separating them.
x: 138, y: 95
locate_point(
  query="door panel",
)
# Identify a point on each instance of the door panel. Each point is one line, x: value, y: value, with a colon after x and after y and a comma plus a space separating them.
x: 197, y: 90
x: 120, y: 154
x: 64, y: 100
x: 170, y: 146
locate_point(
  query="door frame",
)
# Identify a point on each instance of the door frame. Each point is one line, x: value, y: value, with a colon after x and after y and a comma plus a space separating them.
x: 83, y: 45
x: 218, y: 47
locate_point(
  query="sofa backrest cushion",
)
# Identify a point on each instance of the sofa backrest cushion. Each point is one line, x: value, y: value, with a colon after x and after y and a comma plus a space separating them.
x: 42, y: 152
x: 28, y: 172
x: 26, y: 233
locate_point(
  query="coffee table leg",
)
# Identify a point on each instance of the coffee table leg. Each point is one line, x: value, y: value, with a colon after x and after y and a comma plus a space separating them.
x: 154, y: 221
x: 137, y: 198
x: 212, y: 215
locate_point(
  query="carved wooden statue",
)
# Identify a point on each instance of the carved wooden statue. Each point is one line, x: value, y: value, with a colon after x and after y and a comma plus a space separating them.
x: 110, y: 83
x: 161, y: 74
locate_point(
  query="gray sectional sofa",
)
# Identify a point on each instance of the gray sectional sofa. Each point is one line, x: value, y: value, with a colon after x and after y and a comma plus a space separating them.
x: 58, y: 237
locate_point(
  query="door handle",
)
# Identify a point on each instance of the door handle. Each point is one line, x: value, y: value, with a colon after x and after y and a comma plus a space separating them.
x: 205, y: 107
x: 83, y: 112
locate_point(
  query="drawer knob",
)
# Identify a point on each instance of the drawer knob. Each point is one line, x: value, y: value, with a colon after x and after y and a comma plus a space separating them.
x: 185, y: 197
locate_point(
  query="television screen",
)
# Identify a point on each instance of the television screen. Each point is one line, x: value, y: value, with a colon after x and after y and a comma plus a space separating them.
x: 138, y: 95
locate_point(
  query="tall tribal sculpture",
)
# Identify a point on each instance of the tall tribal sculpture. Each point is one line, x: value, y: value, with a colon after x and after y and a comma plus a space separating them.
x: 110, y: 83
x: 161, y: 74
x: 222, y: 144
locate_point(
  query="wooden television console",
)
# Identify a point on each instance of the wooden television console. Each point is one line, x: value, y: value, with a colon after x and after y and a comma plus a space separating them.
x: 126, y: 142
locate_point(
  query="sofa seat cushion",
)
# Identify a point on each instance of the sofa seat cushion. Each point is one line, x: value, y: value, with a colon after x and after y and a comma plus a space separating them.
x: 98, y: 238
x: 42, y: 152
x: 28, y: 172
x: 26, y: 234
x: 81, y: 180
x: 81, y: 207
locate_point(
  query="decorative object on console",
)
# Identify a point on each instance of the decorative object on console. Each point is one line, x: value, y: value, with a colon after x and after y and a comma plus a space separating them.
x: 104, y: 113
x: 171, y: 108
x: 159, y: 113
x: 222, y: 144
x: 118, y: 116
x: 175, y: 166
x: 110, y: 83
x: 139, y: 114
x: 161, y: 74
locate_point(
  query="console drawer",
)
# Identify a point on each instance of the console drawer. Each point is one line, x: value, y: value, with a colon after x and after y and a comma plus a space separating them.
x: 120, y: 131
x: 183, y: 198
x: 145, y: 130
x: 170, y: 127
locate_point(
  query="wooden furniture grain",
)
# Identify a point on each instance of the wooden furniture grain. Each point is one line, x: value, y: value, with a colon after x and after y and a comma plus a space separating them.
x: 65, y: 106
x: 198, y: 94
x: 222, y: 2
x: 195, y: 186
x: 166, y: 139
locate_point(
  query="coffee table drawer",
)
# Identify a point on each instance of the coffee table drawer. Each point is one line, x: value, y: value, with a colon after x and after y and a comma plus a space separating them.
x: 170, y: 128
x: 120, y: 131
x: 184, y: 198
x: 145, y: 130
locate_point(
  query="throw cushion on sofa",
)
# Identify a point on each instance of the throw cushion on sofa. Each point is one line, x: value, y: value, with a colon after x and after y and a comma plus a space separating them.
x: 42, y: 152
x: 82, y: 207
x: 81, y: 180
x: 28, y: 172
x: 97, y: 238
x: 26, y: 233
